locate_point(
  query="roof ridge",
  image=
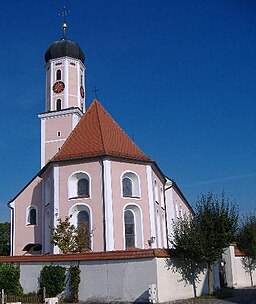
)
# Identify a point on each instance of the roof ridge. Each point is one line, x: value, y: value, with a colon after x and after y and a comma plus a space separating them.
x: 101, y: 135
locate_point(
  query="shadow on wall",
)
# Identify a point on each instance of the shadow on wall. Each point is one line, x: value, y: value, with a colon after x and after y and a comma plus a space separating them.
x: 191, y: 273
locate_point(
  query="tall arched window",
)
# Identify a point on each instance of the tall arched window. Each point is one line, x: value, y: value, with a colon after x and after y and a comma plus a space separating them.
x: 83, y: 187
x: 132, y: 225
x: 83, y: 225
x: 58, y: 104
x: 129, y: 225
x: 58, y: 75
x: 130, y: 185
x: 32, y: 216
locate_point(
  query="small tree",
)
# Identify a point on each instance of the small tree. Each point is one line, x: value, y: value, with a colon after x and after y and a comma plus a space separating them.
x: 216, y: 218
x: 187, y: 243
x: 246, y: 242
x: 4, y: 238
x: 204, y: 237
x: 69, y: 238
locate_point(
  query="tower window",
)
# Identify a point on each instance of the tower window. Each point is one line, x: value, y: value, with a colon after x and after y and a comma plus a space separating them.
x: 58, y: 133
x: 58, y: 105
x: 81, y: 80
x: 58, y: 75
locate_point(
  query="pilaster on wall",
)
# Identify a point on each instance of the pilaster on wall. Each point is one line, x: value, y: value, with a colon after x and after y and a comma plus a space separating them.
x: 56, y: 202
x: 109, y: 233
x: 151, y: 205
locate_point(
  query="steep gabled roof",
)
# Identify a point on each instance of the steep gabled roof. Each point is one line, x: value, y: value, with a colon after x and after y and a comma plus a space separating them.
x: 97, y: 134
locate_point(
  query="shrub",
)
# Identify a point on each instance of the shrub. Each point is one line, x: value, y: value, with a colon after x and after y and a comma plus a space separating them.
x: 74, y: 280
x: 53, y: 279
x: 10, y: 279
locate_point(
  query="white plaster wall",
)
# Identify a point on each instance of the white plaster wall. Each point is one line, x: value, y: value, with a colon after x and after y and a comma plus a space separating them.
x: 171, y: 285
x: 126, y: 280
x: 237, y: 276
x: 29, y: 274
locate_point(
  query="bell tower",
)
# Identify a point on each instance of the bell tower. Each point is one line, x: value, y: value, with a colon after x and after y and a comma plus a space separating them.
x: 65, y: 94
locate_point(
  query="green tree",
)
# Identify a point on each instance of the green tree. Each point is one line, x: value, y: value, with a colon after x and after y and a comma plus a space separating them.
x: 211, y: 230
x: 4, y: 238
x: 187, y: 243
x: 246, y: 242
x: 69, y: 238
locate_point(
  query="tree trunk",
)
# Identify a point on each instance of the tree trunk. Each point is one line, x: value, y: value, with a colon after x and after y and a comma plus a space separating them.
x: 250, y: 270
x: 210, y: 278
x: 194, y: 283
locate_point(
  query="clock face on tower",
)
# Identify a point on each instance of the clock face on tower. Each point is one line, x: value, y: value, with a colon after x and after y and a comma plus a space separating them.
x: 58, y: 87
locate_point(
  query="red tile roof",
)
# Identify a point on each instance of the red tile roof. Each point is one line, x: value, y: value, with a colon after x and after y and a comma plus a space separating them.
x: 97, y: 134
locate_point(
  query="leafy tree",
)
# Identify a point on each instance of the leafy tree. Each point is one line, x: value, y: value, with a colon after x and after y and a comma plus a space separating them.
x: 187, y: 243
x: 4, y: 238
x: 69, y: 238
x: 217, y: 220
x: 246, y: 242
x: 205, y: 236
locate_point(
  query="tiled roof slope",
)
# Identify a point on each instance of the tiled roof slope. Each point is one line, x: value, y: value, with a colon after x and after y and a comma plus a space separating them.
x: 97, y: 134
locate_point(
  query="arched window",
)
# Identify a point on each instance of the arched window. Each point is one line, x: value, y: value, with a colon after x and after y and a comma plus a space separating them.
x: 83, y: 187
x: 58, y: 75
x: 58, y: 104
x: 80, y: 217
x: 127, y: 187
x: 129, y: 225
x: 133, y: 236
x: 130, y: 185
x: 79, y: 185
x: 32, y: 216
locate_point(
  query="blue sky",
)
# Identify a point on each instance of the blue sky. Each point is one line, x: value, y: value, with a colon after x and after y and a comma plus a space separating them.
x: 178, y: 76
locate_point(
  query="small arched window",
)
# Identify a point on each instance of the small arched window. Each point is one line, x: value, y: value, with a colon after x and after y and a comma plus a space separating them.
x: 32, y: 216
x: 127, y: 187
x: 129, y: 225
x: 79, y: 185
x: 83, y: 187
x: 58, y: 75
x: 130, y: 185
x: 58, y: 104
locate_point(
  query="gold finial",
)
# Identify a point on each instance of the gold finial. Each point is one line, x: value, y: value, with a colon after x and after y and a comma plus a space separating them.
x: 63, y: 14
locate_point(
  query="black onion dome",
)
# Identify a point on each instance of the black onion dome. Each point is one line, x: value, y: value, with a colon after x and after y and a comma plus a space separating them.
x: 64, y: 48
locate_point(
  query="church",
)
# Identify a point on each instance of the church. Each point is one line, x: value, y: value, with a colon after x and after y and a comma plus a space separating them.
x: 91, y: 172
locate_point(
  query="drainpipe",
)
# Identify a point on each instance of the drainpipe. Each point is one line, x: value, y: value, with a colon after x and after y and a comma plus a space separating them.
x: 12, y: 227
x: 103, y: 203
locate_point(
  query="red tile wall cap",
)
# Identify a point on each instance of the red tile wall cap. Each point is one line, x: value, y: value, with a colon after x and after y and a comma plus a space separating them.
x: 90, y: 256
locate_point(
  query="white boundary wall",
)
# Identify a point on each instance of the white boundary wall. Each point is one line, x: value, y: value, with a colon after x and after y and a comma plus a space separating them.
x: 120, y: 280
x: 236, y: 274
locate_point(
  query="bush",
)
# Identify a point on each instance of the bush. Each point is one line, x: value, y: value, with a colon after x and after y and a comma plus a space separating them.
x: 74, y: 280
x: 53, y: 279
x: 10, y: 279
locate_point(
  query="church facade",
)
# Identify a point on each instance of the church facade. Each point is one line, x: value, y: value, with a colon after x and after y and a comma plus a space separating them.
x: 92, y: 172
